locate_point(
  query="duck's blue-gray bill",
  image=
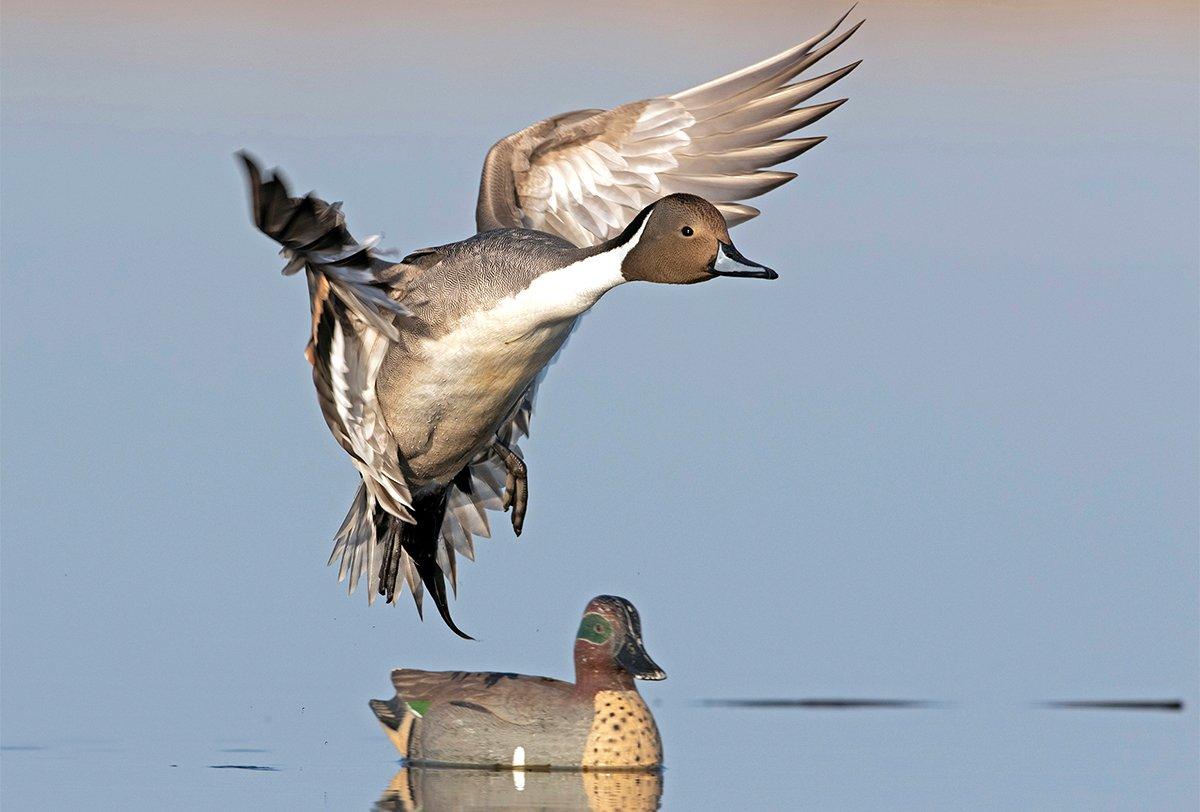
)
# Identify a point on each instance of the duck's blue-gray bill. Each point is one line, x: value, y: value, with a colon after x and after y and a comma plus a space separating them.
x: 730, y: 262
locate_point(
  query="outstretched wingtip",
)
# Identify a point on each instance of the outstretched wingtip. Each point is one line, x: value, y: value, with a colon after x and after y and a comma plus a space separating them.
x: 845, y: 15
x: 850, y: 11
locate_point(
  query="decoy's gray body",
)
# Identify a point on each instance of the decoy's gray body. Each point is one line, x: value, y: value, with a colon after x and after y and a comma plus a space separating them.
x: 499, y: 719
x: 426, y: 368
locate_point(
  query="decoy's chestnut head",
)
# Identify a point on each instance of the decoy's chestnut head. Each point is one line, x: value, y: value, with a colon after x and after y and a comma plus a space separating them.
x: 609, y: 642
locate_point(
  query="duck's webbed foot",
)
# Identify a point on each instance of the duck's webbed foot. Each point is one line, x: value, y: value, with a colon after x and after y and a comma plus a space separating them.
x: 516, y: 484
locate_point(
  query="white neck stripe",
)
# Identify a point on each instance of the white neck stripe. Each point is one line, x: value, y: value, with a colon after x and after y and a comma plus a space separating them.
x: 568, y: 292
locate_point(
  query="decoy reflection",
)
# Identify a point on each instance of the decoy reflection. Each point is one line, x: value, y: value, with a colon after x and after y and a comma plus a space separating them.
x: 415, y: 787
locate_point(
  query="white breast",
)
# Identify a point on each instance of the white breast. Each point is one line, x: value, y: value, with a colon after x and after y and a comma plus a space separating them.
x: 469, y: 378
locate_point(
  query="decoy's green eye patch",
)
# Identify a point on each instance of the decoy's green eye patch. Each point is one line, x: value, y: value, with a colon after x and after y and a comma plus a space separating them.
x: 594, y: 629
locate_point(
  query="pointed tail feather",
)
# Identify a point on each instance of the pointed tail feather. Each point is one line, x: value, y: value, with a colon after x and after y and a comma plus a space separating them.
x: 412, y: 549
x: 392, y: 552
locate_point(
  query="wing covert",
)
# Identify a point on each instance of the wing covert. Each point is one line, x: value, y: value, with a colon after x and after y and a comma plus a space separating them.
x: 584, y: 175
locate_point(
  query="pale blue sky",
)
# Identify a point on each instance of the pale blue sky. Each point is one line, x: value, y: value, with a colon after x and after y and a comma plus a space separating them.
x: 950, y: 453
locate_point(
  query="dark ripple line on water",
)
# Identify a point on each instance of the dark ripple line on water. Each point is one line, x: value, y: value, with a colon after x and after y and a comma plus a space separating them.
x: 1167, y: 705
x: 252, y: 767
x: 1170, y: 705
x: 822, y: 703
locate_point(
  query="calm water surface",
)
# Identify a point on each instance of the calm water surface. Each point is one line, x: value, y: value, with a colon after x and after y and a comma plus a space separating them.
x: 964, y: 756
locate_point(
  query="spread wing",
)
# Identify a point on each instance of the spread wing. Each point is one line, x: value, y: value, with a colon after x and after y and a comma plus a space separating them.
x: 584, y: 175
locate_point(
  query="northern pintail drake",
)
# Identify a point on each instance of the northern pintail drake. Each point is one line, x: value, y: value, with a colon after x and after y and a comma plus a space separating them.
x: 497, y: 719
x: 426, y: 367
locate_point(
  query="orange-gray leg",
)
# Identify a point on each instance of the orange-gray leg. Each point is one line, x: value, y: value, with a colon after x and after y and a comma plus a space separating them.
x: 516, y: 484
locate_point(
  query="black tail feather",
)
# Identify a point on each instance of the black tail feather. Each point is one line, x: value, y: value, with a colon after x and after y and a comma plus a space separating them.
x: 420, y: 540
x: 299, y: 223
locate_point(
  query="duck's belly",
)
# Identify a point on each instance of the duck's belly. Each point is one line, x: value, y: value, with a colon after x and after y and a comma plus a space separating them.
x: 444, y: 398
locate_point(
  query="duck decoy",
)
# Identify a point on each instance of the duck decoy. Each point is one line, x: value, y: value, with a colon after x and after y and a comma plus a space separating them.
x: 426, y: 367
x: 497, y: 719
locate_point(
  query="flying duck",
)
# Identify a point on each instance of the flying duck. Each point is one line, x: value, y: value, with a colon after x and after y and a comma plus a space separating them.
x: 426, y: 367
x: 497, y: 719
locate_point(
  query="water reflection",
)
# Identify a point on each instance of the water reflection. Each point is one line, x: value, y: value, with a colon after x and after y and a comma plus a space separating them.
x: 462, y: 788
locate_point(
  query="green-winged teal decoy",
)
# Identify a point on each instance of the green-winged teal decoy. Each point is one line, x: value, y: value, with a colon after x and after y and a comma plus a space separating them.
x: 426, y: 368
x: 511, y: 720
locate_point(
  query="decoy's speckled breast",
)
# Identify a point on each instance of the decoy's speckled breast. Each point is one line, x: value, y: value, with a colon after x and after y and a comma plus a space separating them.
x: 426, y: 368
x: 499, y: 719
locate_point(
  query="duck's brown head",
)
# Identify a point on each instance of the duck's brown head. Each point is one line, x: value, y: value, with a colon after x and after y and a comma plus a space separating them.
x: 608, y: 645
x: 680, y: 240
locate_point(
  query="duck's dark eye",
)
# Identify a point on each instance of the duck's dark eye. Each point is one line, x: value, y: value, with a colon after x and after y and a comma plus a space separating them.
x: 686, y: 231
